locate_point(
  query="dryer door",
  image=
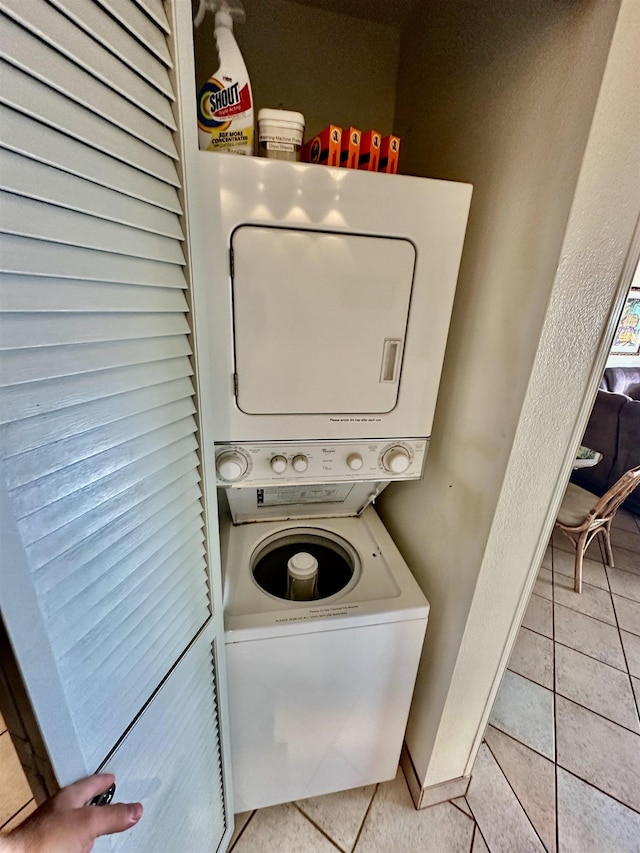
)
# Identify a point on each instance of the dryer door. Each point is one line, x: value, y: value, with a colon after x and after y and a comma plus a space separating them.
x: 320, y: 320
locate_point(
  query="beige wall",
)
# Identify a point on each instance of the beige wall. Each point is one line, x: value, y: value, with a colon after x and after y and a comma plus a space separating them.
x: 344, y: 74
x: 501, y: 95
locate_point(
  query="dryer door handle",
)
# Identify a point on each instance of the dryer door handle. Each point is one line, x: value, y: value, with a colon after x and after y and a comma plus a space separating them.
x: 391, y: 353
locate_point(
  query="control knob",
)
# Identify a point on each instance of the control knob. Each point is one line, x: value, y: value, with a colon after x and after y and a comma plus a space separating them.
x: 354, y: 461
x: 300, y: 463
x: 278, y: 464
x: 396, y: 459
x: 231, y: 465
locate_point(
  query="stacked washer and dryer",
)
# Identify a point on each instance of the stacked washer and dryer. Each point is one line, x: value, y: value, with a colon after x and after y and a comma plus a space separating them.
x: 331, y: 294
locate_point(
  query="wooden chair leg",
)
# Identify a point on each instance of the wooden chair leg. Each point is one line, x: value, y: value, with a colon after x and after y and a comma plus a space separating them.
x: 608, y: 553
x: 577, y: 581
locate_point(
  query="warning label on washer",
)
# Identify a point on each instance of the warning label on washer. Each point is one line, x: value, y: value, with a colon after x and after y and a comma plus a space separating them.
x: 321, y: 613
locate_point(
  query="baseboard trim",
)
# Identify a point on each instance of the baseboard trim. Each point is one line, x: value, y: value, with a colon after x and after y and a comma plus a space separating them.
x: 432, y: 794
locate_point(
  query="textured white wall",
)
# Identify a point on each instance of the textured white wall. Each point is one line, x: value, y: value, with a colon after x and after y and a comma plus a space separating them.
x: 506, y: 103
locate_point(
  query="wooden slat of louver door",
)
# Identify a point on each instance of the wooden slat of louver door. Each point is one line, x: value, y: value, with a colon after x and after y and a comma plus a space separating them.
x: 106, y: 574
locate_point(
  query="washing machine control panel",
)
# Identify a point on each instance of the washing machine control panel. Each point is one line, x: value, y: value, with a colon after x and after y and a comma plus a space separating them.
x: 269, y: 463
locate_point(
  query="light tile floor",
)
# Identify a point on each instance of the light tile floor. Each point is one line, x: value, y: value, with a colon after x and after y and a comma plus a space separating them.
x: 559, y: 768
x: 16, y: 799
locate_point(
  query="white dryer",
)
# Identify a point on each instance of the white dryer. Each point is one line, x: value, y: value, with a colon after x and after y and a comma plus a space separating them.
x: 330, y: 298
x: 319, y: 692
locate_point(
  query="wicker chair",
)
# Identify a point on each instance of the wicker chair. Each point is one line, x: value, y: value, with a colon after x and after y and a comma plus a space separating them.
x: 580, y: 519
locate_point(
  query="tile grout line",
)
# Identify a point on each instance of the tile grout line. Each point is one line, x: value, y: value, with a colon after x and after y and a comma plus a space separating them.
x: 482, y: 836
x: 597, y: 713
x: 584, y: 583
x: 532, y: 680
x: 477, y: 825
x: 636, y: 698
x: 555, y: 723
x: 476, y: 828
x: 582, y: 613
x: 14, y: 816
x: 473, y: 836
x: 508, y: 781
x: 466, y: 814
x: 366, y: 814
x: 539, y: 633
x: 600, y: 790
x: 587, y: 655
x: 568, y: 699
x: 619, y: 594
x: 242, y: 831
x: 624, y: 652
x: 524, y: 811
x: 571, y: 772
x: 319, y: 828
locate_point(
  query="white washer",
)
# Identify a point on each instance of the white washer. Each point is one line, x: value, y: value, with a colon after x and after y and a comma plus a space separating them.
x: 319, y: 692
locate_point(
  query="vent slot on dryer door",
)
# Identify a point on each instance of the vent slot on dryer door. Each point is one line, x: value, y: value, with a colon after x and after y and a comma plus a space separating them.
x: 320, y: 320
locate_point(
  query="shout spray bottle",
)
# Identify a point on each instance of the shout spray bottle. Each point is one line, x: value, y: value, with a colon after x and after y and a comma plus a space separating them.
x: 225, y: 103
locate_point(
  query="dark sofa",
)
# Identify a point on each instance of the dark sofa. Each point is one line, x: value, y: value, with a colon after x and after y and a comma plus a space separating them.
x: 614, y: 431
x: 622, y: 380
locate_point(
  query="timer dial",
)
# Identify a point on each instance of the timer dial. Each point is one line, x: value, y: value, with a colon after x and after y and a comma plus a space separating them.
x: 396, y: 459
x: 231, y: 465
x: 300, y: 463
x: 278, y: 464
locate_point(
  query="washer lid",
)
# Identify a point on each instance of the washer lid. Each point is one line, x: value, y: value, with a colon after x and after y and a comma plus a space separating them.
x: 320, y: 320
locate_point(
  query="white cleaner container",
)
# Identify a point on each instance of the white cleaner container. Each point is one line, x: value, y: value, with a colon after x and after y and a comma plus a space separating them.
x: 225, y: 102
x: 280, y: 134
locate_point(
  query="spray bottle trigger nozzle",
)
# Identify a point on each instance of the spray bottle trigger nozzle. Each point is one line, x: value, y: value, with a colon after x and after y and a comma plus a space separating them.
x: 233, y: 8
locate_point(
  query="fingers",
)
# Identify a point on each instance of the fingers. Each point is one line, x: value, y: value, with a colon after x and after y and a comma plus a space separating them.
x: 114, y: 818
x: 80, y: 792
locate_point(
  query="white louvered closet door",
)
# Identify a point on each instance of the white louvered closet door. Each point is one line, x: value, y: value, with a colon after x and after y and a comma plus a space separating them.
x: 106, y: 585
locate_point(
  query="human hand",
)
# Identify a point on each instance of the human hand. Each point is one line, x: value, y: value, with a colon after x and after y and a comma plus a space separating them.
x: 65, y: 824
